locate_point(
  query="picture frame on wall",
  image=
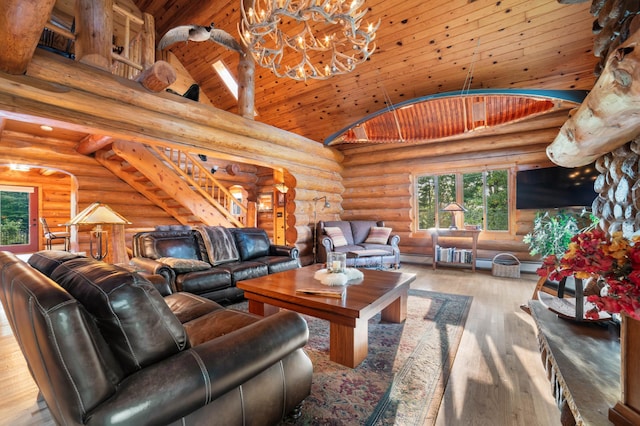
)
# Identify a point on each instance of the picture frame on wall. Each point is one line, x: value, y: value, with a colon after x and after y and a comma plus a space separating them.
x: 265, y: 202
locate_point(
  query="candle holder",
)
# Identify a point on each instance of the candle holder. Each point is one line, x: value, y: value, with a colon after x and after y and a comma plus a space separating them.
x: 336, y: 262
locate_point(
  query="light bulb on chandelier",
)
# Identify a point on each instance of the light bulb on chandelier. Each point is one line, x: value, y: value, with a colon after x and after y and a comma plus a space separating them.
x: 307, y: 38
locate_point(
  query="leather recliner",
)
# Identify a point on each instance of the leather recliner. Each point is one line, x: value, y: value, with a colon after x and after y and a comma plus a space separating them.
x: 105, y: 348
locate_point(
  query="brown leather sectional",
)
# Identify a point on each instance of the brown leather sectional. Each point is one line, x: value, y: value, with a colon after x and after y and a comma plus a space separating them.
x: 105, y: 348
x: 210, y: 260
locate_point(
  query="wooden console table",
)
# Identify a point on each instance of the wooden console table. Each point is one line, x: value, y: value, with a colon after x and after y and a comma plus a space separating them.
x: 582, y: 362
x: 455, y: 233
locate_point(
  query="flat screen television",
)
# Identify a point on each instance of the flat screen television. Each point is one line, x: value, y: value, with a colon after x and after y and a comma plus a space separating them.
x: 556, y: 187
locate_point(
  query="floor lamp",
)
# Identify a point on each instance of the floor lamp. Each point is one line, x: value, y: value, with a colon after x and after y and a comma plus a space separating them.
x: 315, y: 224
x: 99, y: 214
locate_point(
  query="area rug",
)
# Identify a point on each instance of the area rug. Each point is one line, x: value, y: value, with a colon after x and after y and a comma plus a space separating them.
x: 402, y: 380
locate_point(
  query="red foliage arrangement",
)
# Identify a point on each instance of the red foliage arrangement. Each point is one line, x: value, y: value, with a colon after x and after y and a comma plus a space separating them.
x: 615, y: 260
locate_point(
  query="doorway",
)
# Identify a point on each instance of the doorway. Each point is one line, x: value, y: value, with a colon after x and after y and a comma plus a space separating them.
x: 19, y: 219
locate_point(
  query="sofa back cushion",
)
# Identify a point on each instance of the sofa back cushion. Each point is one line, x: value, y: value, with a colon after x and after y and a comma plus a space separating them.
x: 252, y: 242
x: 344, y: 226
x: 132, y: 316
x: 69, y: 360
x: 218, y: 244
x: 360, y: 229
x: 157, y: 244
x: 46, y: 261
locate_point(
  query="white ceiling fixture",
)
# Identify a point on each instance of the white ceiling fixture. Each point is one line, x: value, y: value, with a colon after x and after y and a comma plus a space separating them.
x: 307, y: 38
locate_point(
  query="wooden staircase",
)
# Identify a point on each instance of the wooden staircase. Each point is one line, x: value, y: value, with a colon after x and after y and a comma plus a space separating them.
x: 176, y: 182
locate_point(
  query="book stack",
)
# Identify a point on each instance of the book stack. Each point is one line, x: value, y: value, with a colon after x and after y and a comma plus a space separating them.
x: 452, y: 254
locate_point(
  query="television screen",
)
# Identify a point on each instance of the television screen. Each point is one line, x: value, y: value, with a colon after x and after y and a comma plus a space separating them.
x: 556, y: 187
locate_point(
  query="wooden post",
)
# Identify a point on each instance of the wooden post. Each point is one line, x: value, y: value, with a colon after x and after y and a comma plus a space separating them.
x: 94, y: 30
x: 148, y: 41
x: 21, y: 23
x: 246, y: 86
x: 117, y: 245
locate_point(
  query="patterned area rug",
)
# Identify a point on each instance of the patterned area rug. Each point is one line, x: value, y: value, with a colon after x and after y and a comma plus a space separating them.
x: 402, y: 380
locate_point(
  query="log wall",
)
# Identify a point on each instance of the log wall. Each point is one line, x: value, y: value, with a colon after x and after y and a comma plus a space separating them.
x: 380, y: 186
x: 84, y: 180
x: 68, y: 95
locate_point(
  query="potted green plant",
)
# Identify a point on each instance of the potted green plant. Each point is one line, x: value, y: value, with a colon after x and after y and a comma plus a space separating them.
x: 552, y: 232
x: 551, y: 235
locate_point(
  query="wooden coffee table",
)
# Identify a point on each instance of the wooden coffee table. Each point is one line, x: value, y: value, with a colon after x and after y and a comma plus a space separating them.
x: 379, y: 291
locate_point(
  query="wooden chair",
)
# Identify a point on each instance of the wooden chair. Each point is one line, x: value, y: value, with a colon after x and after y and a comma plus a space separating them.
x: 50, y: 236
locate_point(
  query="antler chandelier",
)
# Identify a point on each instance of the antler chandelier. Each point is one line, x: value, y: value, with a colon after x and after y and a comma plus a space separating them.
x: 303, y: 39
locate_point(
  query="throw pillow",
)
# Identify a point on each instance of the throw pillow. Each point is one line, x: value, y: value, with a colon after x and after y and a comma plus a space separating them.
x: 378, y: 235
x: 336, y: 235
x: 182, y: 266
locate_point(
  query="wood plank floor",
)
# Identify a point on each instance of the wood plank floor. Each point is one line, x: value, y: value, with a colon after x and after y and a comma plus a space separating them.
x: 497, y: 377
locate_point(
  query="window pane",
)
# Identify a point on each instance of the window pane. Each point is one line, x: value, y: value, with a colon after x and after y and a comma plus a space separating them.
x: 14, y: 218
x: 446, y: 195
x: 497, y: 201
x: 472, y: 198
x: 426, y: 191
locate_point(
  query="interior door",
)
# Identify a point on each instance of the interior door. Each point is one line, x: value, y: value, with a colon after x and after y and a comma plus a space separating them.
x: 19, y: 219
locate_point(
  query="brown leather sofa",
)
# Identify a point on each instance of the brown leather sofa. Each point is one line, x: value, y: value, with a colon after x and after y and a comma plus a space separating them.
x: 210, y: 260
x: 359, y: 251
x: 105, y: 348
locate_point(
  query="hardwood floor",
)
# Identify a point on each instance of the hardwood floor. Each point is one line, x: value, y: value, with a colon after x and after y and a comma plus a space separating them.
x: 497, y: 377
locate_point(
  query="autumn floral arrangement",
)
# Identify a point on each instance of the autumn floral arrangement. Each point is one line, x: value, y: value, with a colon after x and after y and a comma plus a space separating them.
x: 614, y: 260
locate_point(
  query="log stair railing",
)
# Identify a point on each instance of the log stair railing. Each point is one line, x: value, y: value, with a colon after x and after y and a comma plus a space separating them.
x: 172, y: 186
x: 203, y: 181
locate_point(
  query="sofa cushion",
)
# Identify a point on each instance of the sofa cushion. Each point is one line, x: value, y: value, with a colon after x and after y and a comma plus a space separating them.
x: 178, y: 244
x: 344, y: 226
x: 360, y: 229
x: 252, y: 242
x: 46, y: 261
x: 219, y: 244
x: 378, y: 235
x: 182, y: 266
x: 130, y: 313
x: 336, y: 235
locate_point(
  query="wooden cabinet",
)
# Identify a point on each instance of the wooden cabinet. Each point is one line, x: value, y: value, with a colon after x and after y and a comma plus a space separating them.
x: 472, y: 235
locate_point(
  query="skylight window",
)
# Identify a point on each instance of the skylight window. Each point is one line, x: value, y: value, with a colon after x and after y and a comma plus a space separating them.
x: 227, y: 78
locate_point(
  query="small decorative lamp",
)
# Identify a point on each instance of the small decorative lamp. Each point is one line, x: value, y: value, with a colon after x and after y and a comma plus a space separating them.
x: 98, y: 214
x: 453, y: 208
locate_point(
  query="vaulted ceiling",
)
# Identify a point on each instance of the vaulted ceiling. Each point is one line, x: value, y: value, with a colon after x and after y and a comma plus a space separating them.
x: 424, y: 47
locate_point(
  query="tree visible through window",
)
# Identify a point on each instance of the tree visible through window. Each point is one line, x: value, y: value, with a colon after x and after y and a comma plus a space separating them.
x: 483, y: 194
x: 14, y: 218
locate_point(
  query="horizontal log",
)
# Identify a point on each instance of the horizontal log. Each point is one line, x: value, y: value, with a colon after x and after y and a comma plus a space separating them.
x: 49, y: 68
x: 381, y: 204
x: 476, y: 146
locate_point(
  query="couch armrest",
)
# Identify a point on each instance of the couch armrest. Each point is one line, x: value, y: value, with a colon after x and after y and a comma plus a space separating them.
x: 201, y: 374
x: 280, y: 250
x: 394, y: 240
x: 151, y: 266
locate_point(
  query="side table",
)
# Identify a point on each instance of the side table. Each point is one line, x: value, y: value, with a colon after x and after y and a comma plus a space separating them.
x: 455, y: 233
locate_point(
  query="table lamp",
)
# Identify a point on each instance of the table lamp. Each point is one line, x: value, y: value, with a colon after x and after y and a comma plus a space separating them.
x: 453, y: 208
x: 98, y: 214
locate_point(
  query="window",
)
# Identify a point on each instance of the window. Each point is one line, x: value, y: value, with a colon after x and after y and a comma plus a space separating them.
x: 483, y: 194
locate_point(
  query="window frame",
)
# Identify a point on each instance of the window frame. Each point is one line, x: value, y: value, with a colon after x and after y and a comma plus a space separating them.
x: 459, y: 194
